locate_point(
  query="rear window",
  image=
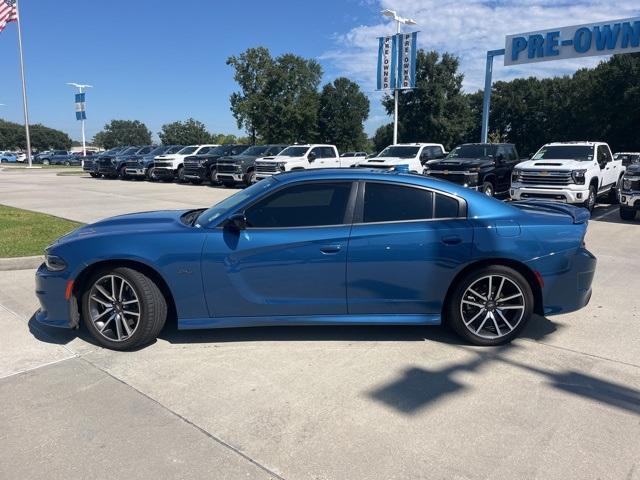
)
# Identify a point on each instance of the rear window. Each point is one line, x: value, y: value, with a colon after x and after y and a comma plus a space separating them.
x: 384, y: 202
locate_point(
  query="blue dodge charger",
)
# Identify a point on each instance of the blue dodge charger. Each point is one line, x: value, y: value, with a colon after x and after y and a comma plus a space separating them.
x: 339, y: 246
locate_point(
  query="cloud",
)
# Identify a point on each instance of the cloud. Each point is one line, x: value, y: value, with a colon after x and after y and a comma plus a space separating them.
x: 468, y: 28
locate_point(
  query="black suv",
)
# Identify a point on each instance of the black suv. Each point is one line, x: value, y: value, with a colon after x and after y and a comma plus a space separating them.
x: 141, y: 166
x: 198, y: 168
x: 112, y: 165
x: 241, y: 168
x: 630, y: 192
x: 485, y: 167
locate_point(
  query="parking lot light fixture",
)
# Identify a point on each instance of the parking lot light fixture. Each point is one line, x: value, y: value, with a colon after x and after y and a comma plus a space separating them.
x: 392, y: 14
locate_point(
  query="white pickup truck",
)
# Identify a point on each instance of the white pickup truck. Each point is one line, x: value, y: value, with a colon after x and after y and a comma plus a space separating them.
x: 414, y: 155
x: 570, y: 172
x: 169, y: 166
x: 302, y: 157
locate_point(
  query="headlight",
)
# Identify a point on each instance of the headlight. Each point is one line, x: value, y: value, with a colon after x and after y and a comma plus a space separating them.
x: 626, y: 184
x: 54, y: 263
x: 282, y: 166
x: 578, y: 176
x: 516, y: 175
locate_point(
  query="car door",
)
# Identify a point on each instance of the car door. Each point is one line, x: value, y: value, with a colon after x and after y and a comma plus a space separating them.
x: 291, y: 258
x: 406, y: 244
x: 502, y: 169
x: 609, y: 174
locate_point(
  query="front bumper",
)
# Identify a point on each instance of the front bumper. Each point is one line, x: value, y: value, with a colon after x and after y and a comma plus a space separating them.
x: 190, y: 173
x: 136, y: 171
x: 222, y: 176
x: 161, y: 172
x: 630, y: 199
x: 55, y: 310
x: 104, y: 170
x: 568, y: 194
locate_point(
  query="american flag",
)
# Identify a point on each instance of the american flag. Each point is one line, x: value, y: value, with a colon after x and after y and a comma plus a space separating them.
x: 8, y: 12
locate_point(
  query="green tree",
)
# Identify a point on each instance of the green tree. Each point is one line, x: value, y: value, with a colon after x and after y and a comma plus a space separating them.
x: 123, y: 132
x: 189, y: 132
x: 278, y: 101
x: 383, y: 137
x: 436, y: 110
x: 343, y: 109
x: 12, y: 136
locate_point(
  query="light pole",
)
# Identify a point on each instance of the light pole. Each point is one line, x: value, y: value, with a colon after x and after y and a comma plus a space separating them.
x: 81, y: 89
x: 399, y: 20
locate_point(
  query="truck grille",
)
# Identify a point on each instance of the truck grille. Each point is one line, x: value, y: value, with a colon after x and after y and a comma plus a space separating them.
x: 105, y: 162
x: 546, y: 177
x: 192, y: 163
x: 631, y: 184
x: 455, y: 177
x: 228, y: 168
x: 133, y: 164
x: 266, y: 168
x: 161, y: 164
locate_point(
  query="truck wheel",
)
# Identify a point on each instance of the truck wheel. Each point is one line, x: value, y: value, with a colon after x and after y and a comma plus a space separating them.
x: 67, y: 163
x: 627, y: 213
x: 213, y: 177
x: 46, y: 162
x: 614, y: 193
x: 487, y: 189
x: 180, y: 174
x: 250, y: 178
x: 590, y: 202
x: 151, y: 174
x: 122, y: 175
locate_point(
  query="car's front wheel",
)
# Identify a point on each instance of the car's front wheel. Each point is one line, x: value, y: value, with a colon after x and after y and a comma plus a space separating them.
x: 627, y: 213
x: 46, y: 161
x: 487, y: 189
x: 490, y: 306
x: 250, y: 178
x: 122, y: 308
x: 590, y: 202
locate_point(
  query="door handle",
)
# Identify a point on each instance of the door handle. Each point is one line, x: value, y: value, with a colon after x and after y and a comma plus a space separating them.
x: 330, y: 249
x: 451, y: 240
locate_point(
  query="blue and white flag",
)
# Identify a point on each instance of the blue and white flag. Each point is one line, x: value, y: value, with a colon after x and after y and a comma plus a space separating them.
x: 407, y: 60
x: 387, y: 59
x: 80, y: 107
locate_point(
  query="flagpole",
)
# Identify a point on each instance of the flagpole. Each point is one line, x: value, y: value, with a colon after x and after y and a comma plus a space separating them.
x: 24, y: 87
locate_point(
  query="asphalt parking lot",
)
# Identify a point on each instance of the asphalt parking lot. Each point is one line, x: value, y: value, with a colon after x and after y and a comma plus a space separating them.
x: 563, y: 401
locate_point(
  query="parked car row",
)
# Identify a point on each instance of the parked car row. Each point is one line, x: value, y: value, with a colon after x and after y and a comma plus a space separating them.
x: 576, y: 173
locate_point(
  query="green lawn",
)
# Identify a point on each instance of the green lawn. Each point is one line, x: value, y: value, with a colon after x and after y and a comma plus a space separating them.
x: 24, y: 233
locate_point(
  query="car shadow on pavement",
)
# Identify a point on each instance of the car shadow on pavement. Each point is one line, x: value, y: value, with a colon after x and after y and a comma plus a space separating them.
x: 610, y: 214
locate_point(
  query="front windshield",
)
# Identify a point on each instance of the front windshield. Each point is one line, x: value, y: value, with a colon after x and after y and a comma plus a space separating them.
x: 348, y: 154
x: 205, y: 150
x: 581, y: 153
x: 157, y: 150
x: 400, y: 152
x: 627, y: 157
x: 187, y: 150
x: 175, y: 149
x: 130, y: 151
x: 256, y: 151
x: 230, y: 203
x: 293, y: 152
x: 473, y: 151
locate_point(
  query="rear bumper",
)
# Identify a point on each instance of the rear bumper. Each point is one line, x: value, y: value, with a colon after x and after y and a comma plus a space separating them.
x: 55, y: 310
x: 566, y: 194
x: 567, y: 280
x: 630, y: 199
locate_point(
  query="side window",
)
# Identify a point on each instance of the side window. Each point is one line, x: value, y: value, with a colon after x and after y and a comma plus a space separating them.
x: 238, y: 150
x: 603, y: 155
x: 304, y: 205
x: 446, y: 207
x: 607, y: 154
x: 384, y: 202
x: 317, y: 152
x: 328, y: 152
x: 513, y: 154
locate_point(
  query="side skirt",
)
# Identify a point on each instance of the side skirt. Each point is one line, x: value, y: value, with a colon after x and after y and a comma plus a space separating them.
x: 231, y: 322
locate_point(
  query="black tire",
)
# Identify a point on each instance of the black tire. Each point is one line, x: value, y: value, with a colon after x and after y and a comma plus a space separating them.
x: 196, y: 181
x: 150, y: 175
x: 454, y: 309
x: 122, y: 174
x: 488, y: 189
x: 590, y: 202
x: 94, y: 174
x: 627, y: 213
x: 614, y: 193
x: 180, y: 174
x: 153, y: 309
x: 250, y: 178
x: 67, y: 163
x: 46, y: 161
x: 212, y: 177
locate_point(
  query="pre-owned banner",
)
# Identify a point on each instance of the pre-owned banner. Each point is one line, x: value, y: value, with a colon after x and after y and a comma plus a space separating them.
x: 407, y: 60
x: 387, y: 60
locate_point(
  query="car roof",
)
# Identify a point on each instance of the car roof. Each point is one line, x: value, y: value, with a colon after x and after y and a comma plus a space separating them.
x: 417, y: 144
x: 575, y: 142
x: 488, y: 143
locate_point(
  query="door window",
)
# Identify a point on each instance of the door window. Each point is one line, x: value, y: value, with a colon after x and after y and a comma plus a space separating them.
x: 303, y: 205
x: 384, y: 202
x: 328, y: 152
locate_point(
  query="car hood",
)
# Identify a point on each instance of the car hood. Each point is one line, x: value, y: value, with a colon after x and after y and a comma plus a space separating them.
x: 279, y: 159
x: 554, y: 164
x: 460, y: 163
x: 386, y: 161
x: 158, y: 221
x: 237, y: 158
x: 633, y: 169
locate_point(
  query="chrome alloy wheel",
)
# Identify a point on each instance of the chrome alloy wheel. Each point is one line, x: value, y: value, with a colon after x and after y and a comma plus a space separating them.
x: 492, y: 306
x: 114, y: 308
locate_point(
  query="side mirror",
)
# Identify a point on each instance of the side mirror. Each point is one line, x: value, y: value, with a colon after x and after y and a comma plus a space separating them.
x: 237, y: 222
x: 311, y: 157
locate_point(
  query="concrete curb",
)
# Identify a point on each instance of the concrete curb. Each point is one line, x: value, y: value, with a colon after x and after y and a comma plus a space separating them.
x: 20, y: 263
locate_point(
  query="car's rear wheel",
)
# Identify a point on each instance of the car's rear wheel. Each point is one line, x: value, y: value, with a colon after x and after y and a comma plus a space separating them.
x: 490, y: 306
x: 123, y: 308
x: 487, y: 189
x: 627, y: 213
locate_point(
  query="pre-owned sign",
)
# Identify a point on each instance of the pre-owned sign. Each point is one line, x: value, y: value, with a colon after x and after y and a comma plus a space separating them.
x: 604, y: 38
